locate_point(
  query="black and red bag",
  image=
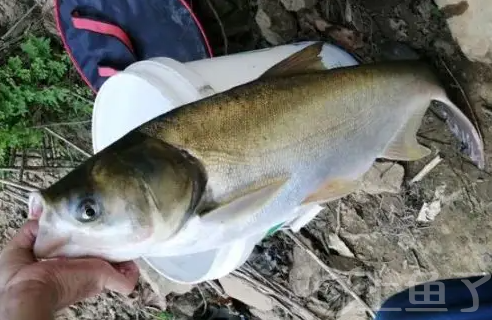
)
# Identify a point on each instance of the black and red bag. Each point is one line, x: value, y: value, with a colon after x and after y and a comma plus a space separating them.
x: 103, y: 37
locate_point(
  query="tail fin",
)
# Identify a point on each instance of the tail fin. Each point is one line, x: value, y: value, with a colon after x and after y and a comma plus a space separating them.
x: 464, y: 130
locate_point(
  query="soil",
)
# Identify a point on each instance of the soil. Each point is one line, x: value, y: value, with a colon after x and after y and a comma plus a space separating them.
x: 390, y: 249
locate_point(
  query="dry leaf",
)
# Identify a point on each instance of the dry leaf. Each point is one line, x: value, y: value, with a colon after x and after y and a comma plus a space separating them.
x: 339, y: 246
x: 429, y: 211
x: 150, y: 299
x: 348, y: 39
x: 348, y: 12
x: 321, y: 24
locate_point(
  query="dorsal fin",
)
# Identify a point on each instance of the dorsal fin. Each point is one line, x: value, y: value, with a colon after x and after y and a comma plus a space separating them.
x: 303, y: 61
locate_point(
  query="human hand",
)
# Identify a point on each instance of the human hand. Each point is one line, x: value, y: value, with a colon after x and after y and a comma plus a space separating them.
x: 31, y: 289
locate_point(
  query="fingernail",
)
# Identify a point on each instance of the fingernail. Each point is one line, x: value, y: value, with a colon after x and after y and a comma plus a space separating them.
x: 126, y: 269
x: 122, y: 269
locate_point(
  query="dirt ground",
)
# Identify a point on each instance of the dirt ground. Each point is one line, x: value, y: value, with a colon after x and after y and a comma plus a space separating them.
x: 376, y: 243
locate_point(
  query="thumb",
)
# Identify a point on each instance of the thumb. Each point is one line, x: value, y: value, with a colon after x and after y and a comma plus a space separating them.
x: 76, y: 280
x: 18, y: 253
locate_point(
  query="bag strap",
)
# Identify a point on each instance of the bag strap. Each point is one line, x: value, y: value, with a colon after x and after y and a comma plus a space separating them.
x: 106, y: 29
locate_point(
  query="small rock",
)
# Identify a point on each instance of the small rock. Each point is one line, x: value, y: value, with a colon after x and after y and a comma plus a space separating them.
x: 149, y: 298
x: 470, y: 23
x: 49, y: 20
x: 349, y: 15
x: 10, y: 11
x: 187, y: 304
x: 350, y: 221
x: 485, y: 92
x: 339, y: 246
x: 266, y: 315
x: 425, y: 8
x: 383, y: 177
x: 400, y: 27
x: 218, y: 312
x: 10, y: 233
x: 277, y: 25
x: 66, y: 314
x: 348, y: 39
x: 344, y: 263
x: 310, y: 22
x: 296, y: 5
x: 392, y: 204
x: 243, y: 291
x: 444, y: 46
x: 320, y: 308
x: 352, y: 311
x: 394, y: 50
x: 429, y: 211
x: 306, y: 275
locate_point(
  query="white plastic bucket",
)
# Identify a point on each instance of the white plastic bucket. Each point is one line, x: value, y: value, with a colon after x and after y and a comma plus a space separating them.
x: 150, y: 88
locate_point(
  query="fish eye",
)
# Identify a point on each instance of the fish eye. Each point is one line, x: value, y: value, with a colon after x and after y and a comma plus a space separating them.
x: 88, y: 211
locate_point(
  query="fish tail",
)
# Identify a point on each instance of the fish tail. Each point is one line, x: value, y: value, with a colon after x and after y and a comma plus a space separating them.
x: 463, y: 129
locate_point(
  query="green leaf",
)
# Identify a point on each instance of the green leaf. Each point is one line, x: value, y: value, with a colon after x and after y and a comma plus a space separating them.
x: 164, y: 315
x: 35, y: 86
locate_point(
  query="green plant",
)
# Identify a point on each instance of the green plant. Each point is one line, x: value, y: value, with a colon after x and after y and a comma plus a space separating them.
x: 436, y: 12
x: 164, y: 315
x: 35, y: 88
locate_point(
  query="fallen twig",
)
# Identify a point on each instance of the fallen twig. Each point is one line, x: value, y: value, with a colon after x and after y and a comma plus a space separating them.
x: 43, y: 152
x: 68, y: 161
x: 221, y: 25
x: 22, y: 186
x: 28, y: 156
x: 426, y: 169
x: 18, y: 22
x: 204, y: 300
x: 35, y: 169
x: 487, y: 111
x: 87, y: 154
x: 335, y: 277
x: 150, y: 314
x: 59, y: 124
x: 472, y: 113
x: 339, y: 219
x: 217, y: 289
x: 348, y: 12
x: 12, y: 157
x: 288, y: 305
x: 52, y: 148
x: 16, y: 196
x: 89, y: 101
x: 23, y: 164
x: 247, y: 267
x: 70, y: 156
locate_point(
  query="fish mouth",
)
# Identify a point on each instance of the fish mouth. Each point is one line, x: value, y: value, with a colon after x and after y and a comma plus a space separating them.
x: 49, y: 246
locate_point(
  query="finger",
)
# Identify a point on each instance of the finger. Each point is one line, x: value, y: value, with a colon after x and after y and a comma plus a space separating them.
x: 128, y: 269
x: 75, y: 280
x: 18, y: 252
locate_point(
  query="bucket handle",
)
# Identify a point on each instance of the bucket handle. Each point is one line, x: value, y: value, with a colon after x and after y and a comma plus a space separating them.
x: 106, y: 29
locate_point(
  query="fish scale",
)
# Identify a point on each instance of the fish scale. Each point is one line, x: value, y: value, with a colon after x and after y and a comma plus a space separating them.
x: 320, y: 129
x: 300, y: 134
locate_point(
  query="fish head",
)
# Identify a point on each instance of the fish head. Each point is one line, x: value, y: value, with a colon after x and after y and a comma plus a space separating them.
x: 100, y: 209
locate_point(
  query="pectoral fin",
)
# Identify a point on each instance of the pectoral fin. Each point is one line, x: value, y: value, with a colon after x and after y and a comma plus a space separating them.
x: 404, y: 146
x: 246, y: 205
x: 331, y: 190
x: 303, y: 61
